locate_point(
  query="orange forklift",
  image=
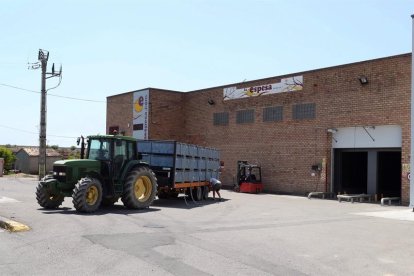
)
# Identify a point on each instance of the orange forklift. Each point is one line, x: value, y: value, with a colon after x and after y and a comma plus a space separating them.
x: 249, y: 178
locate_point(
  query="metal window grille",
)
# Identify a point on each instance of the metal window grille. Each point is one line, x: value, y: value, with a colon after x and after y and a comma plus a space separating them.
x: 221, y: 119
x: 245, y: 116
x: 304, y: 111
x: 274, y: 113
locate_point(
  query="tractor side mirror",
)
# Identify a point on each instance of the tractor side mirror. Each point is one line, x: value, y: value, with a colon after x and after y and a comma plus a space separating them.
x: 78, y: 141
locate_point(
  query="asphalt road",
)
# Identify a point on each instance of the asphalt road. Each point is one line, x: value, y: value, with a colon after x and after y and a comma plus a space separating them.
x: 244, y: 234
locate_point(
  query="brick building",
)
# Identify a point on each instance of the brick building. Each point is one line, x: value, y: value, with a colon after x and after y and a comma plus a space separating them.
x: 341, y: 129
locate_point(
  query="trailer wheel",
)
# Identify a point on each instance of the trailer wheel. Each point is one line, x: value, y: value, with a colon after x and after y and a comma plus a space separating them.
x: 140, y: 188
x: 46, y: 199
x: 87, y: 195
x: 197, y: 193
x: 206, y: 190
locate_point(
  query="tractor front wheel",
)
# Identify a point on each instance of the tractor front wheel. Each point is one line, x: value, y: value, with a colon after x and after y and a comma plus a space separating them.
x: 87, y: 195
x: 46, y: 199
x: 140, y: 188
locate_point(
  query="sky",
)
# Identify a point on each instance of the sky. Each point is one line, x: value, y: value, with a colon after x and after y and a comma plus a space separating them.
x: 112, y: 47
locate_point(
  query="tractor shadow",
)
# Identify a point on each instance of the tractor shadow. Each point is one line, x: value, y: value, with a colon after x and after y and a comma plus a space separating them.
x: 185, y: 202
x: 181, y: 202
x: 103, y: 210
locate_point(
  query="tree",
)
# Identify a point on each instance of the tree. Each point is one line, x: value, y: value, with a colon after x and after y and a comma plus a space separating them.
x: 8, y: 156
x: 74, y: 155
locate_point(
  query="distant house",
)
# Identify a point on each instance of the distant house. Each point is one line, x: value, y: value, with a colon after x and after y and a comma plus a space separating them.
x: 27, y: 159
x: 15, y: 150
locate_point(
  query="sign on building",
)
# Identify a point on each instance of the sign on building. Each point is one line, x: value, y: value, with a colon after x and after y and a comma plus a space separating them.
x: 285, y: 85
x: 140, y: 114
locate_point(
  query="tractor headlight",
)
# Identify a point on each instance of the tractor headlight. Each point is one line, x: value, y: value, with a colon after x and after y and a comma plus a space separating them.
x: 59, y: 173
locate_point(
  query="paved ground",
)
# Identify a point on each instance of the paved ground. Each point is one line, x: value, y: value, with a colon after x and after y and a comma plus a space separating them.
x: 244, y: 235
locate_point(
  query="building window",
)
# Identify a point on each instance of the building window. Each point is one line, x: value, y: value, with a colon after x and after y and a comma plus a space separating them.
x: 221, y: 119
x: 274, y: 113
x: 245, y: 116
x: 138, y: 127
x: 304, y: 111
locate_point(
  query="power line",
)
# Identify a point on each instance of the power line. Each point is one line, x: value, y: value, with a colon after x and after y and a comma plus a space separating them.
x: 49, y: 94
x: 64, y: 97
x: 35, y: 133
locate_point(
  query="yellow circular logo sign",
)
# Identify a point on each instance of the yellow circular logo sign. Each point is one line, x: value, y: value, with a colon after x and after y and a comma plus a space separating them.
x: 139, y: 104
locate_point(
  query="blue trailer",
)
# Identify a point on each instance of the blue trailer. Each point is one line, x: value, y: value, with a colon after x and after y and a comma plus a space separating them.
x: 180, y: 167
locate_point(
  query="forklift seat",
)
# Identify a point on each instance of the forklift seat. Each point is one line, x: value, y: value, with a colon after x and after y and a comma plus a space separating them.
x: 251, y: 178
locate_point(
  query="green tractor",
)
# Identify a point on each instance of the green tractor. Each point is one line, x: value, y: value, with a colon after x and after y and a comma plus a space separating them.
x: 110, y: 171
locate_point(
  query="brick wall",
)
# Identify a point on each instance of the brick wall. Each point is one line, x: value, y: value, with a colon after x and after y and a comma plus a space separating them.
x: 285, y: 149
x: 166, y: 118
x: 119, y: 112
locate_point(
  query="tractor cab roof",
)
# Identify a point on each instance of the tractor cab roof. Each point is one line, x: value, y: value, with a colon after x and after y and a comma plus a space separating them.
x: 115, y: 137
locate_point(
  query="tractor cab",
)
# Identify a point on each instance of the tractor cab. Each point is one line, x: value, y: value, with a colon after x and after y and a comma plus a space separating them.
x: 249, y: 178
x: 112, y: 153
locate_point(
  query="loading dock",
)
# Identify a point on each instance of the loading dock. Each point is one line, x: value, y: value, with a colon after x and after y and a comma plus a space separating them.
x: 371, y: 167
x: 389, y: 173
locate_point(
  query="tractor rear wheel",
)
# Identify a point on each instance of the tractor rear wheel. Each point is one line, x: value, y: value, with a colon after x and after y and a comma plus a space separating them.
x: 46, y: 199
x: 140, y: 188
x: 87, y: 195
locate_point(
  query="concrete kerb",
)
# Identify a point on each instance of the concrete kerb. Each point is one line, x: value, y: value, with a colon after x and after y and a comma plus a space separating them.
x: 13, y: 226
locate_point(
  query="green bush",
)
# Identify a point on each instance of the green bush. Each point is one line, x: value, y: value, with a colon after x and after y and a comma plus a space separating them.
x: 8, y: 156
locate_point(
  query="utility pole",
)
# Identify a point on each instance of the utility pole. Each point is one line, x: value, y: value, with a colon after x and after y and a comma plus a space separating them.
x: 43, y: 57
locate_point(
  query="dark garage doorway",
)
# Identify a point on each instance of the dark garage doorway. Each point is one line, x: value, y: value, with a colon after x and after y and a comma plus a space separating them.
x: 389, y: 173
x: 368, y: 171
x: 353, y: 172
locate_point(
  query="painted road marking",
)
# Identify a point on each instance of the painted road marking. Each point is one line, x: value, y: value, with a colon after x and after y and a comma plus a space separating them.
x: 4, y: 199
